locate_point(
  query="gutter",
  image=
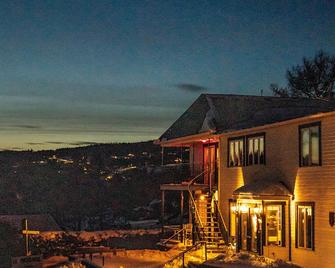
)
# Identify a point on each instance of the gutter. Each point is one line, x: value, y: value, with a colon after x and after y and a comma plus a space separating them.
x: 186, y: 139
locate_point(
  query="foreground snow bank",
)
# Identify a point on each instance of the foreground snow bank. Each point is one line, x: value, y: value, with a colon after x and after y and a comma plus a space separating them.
x: 248, y: 260
x: 100, y: 235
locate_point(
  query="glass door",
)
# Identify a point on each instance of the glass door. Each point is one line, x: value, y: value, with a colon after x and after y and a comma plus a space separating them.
x: 250, y: 228
x: 244, y: 230
x: 210, y: 157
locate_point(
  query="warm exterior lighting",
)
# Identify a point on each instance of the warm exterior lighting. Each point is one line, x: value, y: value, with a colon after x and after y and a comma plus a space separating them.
x: 202, y: 197
x: 233, y: 208
x: 257, y: 210
x: 254, y: 221
x: 244, y: 208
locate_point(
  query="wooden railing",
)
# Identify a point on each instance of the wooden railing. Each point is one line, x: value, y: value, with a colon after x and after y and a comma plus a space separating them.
x: 181, y: 256
x: 177, y: 234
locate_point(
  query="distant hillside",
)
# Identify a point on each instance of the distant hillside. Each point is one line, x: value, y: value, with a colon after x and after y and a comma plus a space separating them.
x: 94, y: 187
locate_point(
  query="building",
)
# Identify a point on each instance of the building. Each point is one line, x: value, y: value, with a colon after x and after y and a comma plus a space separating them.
x: 263, y: 175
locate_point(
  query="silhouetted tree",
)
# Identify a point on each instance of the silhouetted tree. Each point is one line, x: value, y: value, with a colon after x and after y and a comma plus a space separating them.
x: 315, y: 79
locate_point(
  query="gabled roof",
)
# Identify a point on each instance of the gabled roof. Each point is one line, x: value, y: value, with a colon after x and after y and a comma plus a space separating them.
x: 223, y: 113
x: 36, y: 222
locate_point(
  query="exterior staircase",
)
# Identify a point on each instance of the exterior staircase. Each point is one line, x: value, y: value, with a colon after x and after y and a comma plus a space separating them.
x: 212, y: 229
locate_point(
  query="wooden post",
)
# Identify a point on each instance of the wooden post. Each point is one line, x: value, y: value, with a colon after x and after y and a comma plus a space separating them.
x: 26, y: 236
x: 162, y: 209
x: 181, y: 213
x: 162, y: 160
x: 189, y: 209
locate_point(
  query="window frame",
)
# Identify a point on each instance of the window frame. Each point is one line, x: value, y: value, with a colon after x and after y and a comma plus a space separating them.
x: 305, y: 204
x: 310, y: 125
x: 283, y: 222
x: 232, y: 139
x: 252, y: 136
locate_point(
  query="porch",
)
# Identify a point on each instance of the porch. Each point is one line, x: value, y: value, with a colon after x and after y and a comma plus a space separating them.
x: 259, y: 219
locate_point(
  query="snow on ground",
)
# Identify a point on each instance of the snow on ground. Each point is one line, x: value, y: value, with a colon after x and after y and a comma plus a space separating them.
x: 135, y: 258
x: 99, y: 235
x: 246, y: 260
x: 120, y: 259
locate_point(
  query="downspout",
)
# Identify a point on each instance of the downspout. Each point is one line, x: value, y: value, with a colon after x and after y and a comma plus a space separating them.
x: 289, y: 231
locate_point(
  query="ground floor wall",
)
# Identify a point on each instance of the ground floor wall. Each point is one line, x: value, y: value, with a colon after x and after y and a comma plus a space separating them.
x: 319, y: 254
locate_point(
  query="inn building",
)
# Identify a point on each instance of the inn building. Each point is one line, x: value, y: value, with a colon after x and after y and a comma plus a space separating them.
x: 262, y: 175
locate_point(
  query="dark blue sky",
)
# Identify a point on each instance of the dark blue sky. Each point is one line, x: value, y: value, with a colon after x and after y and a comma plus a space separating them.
x: 75, y: 72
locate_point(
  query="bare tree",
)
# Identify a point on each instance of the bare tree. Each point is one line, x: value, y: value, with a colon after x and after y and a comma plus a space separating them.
x: 315, y: 78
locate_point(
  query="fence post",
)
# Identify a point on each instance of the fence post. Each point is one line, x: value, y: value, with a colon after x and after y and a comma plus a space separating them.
x: 183, y: 260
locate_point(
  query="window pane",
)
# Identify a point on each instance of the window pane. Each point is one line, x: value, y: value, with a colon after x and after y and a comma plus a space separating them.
x: 256, y: 151
x: 305, y: 146
x: 241, y: 152
x: 237, y: 156
x: 231, y: 154
x: 309, y: 227
x: 261, y: 151
x: 274, y: 224
x: 250, y: 151
x: 236, y: 153
x: 315, y: 145
x: 301, y: 226
x: 232, y: 220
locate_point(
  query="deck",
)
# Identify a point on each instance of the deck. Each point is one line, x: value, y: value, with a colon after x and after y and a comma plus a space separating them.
x: 183, y: 187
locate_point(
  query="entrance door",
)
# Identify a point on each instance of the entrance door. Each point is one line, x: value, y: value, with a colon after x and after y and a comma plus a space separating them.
x: 250, y: 230
x: 210, y: 157
x: 244, y: 230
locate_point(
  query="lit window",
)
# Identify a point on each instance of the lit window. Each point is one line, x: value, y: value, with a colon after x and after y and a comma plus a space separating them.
x: 274, y: 225
x: 232, y: 219
x: 256, y: 154
x: 305, y: 226
x: 236, y: 152
x: 310, y: 145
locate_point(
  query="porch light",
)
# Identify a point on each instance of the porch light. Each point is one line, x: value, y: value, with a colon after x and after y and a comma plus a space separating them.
x: 202, y: 197
x: 244, y: 208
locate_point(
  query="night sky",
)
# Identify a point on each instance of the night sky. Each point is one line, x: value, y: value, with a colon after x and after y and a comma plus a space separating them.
x: 79, y: 72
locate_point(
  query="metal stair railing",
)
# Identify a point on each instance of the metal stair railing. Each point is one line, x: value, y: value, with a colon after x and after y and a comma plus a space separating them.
x: 222, y: 224
x: 194, y: 205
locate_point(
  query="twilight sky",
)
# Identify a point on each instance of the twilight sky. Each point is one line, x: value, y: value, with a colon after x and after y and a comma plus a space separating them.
x: 79, y: 72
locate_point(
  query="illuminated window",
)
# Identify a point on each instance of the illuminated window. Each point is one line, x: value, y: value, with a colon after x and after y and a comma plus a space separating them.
x: 310, y: 143
x: 236, y: 152
x: 305, y: 226
x: 232, y: 218
x: 256, y: 151
x: 275, y: 229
